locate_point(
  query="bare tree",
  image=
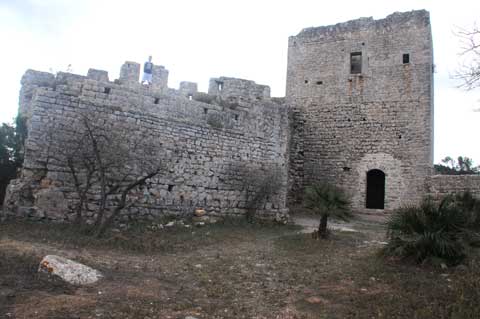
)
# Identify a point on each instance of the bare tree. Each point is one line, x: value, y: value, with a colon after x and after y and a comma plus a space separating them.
x: 106, y: 161
x: 469, y: 70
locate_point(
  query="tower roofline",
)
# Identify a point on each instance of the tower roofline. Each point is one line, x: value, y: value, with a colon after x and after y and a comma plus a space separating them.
x: 396, y: 18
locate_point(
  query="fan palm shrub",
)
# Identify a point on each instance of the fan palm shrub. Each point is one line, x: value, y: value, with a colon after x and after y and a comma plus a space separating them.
x: 442, y: 231
x: 326, y: 200
x: 471, y: 206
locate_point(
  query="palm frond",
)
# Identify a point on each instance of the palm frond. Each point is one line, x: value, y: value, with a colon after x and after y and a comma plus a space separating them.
x: 327, y: 199
x: 439, y: 231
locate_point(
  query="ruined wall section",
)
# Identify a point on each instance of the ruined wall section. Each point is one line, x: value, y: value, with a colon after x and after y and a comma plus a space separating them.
x: 439, y: 186
x: 381, y: 117
x: 208, y: 137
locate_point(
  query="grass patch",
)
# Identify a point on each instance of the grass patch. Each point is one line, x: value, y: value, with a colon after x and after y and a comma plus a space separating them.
x: 139, y: 237
x: 19, y: 277
x: 235, y: 270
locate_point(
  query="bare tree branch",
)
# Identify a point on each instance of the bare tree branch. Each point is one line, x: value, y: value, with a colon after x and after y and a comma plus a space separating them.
x: 468, y: 71
x: 105, y: 162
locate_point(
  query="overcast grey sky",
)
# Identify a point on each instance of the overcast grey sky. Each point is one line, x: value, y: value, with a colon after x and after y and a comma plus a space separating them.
x: 197, y: 40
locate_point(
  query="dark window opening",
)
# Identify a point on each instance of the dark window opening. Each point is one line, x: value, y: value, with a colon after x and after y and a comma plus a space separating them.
x: 235, y: 116
x: 375, y: 189
x: 348, y: 120
x: 399, y: 136
x: 364, y: 119
x: 205, y: 110
x: 319, y: 82
x: 347, y: 169
x: 182, y: 199
x: 406, y: 58
x: 301, y: 153
x: 306, y: 81
x: 349, y: 80
x: 355, y: 62
x: 106, y: 90
x: 170, y: 188
x: 363, y: 43
x: 157, y: 100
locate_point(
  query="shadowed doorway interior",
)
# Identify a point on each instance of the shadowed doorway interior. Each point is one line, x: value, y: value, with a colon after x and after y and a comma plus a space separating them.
x: 375, y: 189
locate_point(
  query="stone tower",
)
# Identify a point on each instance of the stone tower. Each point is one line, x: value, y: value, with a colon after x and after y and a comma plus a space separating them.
x: 362, y: 102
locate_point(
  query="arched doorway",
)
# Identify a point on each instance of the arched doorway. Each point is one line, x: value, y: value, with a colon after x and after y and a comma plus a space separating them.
x: 375, y: 189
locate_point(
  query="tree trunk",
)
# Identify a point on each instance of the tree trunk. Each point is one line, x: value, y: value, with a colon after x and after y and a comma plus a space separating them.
x: 78, y: 218
x: 322, y: 227
x: 102, y: 227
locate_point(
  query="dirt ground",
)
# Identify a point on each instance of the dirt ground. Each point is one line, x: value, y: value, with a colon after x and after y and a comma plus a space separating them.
x: 229, y: 270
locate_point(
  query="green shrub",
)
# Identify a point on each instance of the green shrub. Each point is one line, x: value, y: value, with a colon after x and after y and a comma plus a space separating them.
x: 326, y: 200
x: 471, y: 206
x: 433, y: 232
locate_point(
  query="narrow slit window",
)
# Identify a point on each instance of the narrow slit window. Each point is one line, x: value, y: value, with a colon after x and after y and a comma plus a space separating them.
x: 406, y: 58
x: 219, y: 85
x: 190, y: 97
x: 355, y: 62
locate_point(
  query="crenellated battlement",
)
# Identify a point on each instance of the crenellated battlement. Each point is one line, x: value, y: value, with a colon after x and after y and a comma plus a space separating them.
x: 224, y: 93
x: 209, y: 132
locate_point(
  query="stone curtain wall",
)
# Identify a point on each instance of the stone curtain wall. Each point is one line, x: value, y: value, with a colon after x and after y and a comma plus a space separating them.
x: 209, y: 134
x: 441, y: 185
x: 346, y: 124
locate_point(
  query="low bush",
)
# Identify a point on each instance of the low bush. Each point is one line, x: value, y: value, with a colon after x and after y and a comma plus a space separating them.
x: 431, y: 232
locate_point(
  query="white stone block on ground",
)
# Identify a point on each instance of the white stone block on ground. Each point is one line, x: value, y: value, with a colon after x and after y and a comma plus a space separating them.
x: 69, y: 270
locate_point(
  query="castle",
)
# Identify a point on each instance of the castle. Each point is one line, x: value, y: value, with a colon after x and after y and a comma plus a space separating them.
x: 358, y: 113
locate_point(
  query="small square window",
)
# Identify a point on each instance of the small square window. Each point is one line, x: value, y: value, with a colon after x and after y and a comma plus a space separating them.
x: 406, y: 58
x: 106, y: 90
x: 355, y: 62
x: 156, y: 101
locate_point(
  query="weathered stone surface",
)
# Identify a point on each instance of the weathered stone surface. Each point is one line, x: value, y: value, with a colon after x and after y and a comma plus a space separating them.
x: 51, y: 202
x: 346, y: 123
x: 335, y: 125
x: 70, y: 271
x: 199, y: 212
x: 441, y: 185
x: 240, y: 125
